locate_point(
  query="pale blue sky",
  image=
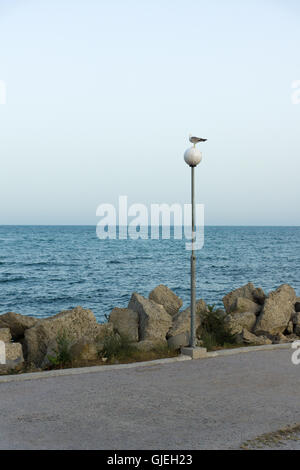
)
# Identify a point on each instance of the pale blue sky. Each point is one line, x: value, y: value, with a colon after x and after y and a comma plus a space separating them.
x: 101, y: 97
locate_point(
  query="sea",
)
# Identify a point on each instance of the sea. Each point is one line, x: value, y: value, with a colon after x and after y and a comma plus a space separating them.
x: 47, y: 269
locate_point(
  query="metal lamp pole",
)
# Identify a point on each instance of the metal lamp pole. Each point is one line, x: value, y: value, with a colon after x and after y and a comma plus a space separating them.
x: 193, y: 157
x: 193, y: 265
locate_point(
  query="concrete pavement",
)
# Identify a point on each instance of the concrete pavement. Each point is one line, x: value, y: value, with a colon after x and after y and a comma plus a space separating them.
x: 217, y: 403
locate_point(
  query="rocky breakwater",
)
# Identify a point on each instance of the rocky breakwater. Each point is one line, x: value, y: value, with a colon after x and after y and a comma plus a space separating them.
x: 251, y: 317
x: 35, y: 340
x: 147, y: 323
x: 156, y: 321
x: 257, y: 318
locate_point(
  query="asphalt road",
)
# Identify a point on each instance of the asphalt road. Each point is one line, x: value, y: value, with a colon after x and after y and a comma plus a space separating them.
x: 216, y: 403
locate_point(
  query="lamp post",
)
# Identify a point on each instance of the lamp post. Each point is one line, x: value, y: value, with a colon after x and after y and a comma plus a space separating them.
x: 193, y: 157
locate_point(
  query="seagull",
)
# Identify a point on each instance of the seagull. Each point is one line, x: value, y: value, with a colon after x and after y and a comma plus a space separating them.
x: 195, y: 140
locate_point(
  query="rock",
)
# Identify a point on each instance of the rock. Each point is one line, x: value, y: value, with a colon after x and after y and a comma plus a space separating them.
x: 164, y: 296
x: 14, y: 354
x: 239, y: 321
x: 104, y: 330
x: 249, y: 292
x: 178, y: 341
x: 243, y: 305
x: 259, y: 296
x: 77, y: 323
x: 5, y: 335
x: 17, y: 324
x: 277, y: 311
x: 291, y: 338
x: 280, y: 339
x: 84, y: 350
x: 154, y: 321
x: 290, y: 328
x: 297, y: 305
x: 14, y: 357
x: 125, y: 322
x: 182, y: 320
x: 249, y: 338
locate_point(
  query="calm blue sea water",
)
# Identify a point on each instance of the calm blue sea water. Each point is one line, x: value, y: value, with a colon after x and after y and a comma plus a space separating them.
x: 44, y: 270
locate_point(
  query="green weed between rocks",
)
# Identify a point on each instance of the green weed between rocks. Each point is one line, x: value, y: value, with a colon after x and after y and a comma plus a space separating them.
x: 118, y: 349
x: 116, y: 346
x: 62, y: 353
x: 214, y: 332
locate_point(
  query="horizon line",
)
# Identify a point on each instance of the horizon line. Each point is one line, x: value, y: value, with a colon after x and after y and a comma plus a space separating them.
x: 92, y: 225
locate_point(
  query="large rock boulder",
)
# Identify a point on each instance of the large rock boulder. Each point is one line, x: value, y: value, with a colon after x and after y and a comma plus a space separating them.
x: 248, y: 291
x: 243, y: 305
x: 17, y: 324
x: 239, y: 321
x: 179, y: 341
x: 277, y: 311
x: 154, y: 321
x: 125, y: 322
x: 182, y: 320
x: 164, y: 296
x: 84, y: 350
x: 249, y: 338
x: 5, y: 335
x: 76, y: 324
x: 14, y: 354
x: 14, y: 357
x: 103, y: 332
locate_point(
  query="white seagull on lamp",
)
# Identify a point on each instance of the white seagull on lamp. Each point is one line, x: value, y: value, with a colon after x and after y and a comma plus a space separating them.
x: 193, y: 156
x: 195, y: 140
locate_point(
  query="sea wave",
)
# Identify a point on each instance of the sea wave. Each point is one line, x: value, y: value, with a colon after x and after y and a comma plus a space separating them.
x: 13, y: 279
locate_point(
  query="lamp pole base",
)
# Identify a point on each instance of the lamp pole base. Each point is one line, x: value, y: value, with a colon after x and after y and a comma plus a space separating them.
x: 194, y: 353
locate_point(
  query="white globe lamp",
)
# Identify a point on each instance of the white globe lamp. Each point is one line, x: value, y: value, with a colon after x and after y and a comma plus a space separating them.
x: 193, y: 157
